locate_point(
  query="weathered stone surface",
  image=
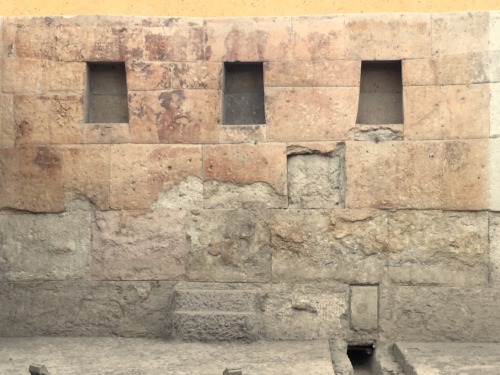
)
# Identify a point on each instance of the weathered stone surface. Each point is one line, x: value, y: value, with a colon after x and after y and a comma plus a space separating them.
x: 446, y: 112
x: 84, y: 308
x: 244, y: 175
x: 44, y: 247
x: 149, y: 75
x: 379, y: 133
x: 106, y: 133
x: 86, y: 172
x: 310, y: 114
x: 394, y: 174
x: 494, y: 254
x: 364, y: 307
x: 229, y: 246
x: 176, y: 116
x: 242, y: 133
x: 388, y: 36
x: 117, y: 41
x: 341, y: 73
x: 494, y: 174
x: 197, y: 75
x: 439, y: 248
x: 48, y: 118
x: 459, y: 33
x: 316, y: 180
x: 248, y: 39
x: 339, y: 245
x: 495, y: 110
x: 31, y: 179
x: 494, y: 28
x: 439, y: 314
x: 298, y: 311
x: 466, y: 175
x: 7, y: 132
x: 229, y: 300
x: 141, y: 173
x: 135, y: 245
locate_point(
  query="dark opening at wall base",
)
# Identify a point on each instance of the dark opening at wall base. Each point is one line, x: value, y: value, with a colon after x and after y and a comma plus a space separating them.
x: 361, y: 358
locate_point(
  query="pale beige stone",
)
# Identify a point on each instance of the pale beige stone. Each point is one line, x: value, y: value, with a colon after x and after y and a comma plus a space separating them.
x: 7, y: 131
x: 242, y: 133
x: 459, y: 33
x: 379, y: 133
x: 419, y: 72
x: 63, y: 76
x: 106, y: 133
x: 22, y: 75
x: 495, y: 110
x: 148, y: 75
x: 248, y: 39
x: 115, y: 42
x: 394, y: 174
x: 310, y: 114
x: 364, y: 307
x: 137, y: 245
x: 494, y: 30
x: 140, y: 173
x: 446, y: 112
x: 86, y: 172
x: 466, y: 175
x: 494, y: 236
x: 388, y: 36
x: 494, y: 174
x: 197, y: 75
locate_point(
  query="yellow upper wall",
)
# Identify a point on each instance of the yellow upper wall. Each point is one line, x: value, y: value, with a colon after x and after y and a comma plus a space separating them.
x: 228, y: 8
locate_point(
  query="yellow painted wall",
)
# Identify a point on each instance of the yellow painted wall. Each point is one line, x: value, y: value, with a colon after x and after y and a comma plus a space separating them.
x: 227, y: 8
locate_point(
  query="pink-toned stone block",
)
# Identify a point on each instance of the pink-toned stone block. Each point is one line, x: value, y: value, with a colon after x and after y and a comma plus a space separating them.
x: 446, y: 112
x: 106, y: 133
x: 242, y: 133
x: 22, y: 75
x: 140, y: 174
x: 311, y: 114
x: 394, y: 174
x: 117, y: 42
x: 248, y: 39
x: 197, y: 75
x: 148, y: 75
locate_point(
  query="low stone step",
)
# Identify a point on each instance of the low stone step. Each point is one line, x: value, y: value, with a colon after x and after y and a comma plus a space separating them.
x: 214, y: 326
x: 215, y: 300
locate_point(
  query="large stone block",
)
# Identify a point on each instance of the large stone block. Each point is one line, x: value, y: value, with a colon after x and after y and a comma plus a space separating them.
x: 135, y: 245
x: 106, y: 133
x: 245, y: 175
x: 494, y: 28
x: 86, y: 172
x: 83, y: 308
x: 495, y: 110
x: 229, y: 246
x: 48, y: 118
x: 248, y: 39
x: 494, y: 174
x: 242, y: 133
x: 438, y: 248
x: 460, y: 33
x: 388, y: 37
x: 447, y: 112
x: 364, y: 307
x: 310, y: 114
x: 494, y: 236
x: 142, y: 175
x: 197, y: 75
x: 394, y: 174
x: 31, y: 179
x: 149, y: 75
x: 7, y: 130
x: 439, y: 314
x: 339, y: 245
x: 44, y: 247
x: 116, y: 41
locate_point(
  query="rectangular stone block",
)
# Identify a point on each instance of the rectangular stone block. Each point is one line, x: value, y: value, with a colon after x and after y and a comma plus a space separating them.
x: 245, y: 176
x: 494, y: 28
x: 495, y: 110
x: 84, y: 308
x: 494, y: 253
x: 310, y: 114
x: 466, y: 174
x: 135, y: 245
x: 31, y: 179
x: 364, y: 307
x: 176, y: 116
x: 48, y: 118
x: 45, y: 247
x: 394, y: 174
x: 166, y: 176
x: 350, y: 248
x: 116, y: 41
x: 430, y: 313
x: 150, y: 75
x: 106, y: 133
x: 7, y: 131
x: 336, y: 73
x: 86, y: 173
x: 379, y: 133
x: 197, y: 75
x: 438, y: 248
x: 229, y: 246
x: 460, y: 33
x: 388, y: 36
x: 494, y: 174
x: 242, y: 133
x: 446, y: 112
x: 248, y: 39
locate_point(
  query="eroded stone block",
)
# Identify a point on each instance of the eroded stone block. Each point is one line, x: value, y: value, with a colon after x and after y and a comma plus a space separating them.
x: 197, y: 75
x: 494, y: 236
x: 494, y: 174
x: 229, y: 246
x: 379, y: 133
x: 135, y: 245
x: 148, y: 75
x: 495, y: 110
x: 242, y: 133
x: 364, y: 307
x: 7, y: 130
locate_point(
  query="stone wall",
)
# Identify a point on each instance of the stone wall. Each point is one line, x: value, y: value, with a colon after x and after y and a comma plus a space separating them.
x: 307, y: 226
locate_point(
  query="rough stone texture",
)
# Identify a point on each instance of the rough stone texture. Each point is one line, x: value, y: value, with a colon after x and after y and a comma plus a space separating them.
x: 84, y: 308
x: 244, y: 175
x: 7, y: 132
x: 31, y: 179
x: 439, y: 314
x: 197, y: 75
x: 309, y: 312
x: 103, y: 356
x: 394, y: 174
x: 106, y: 133
x: 364, y: 307
x: 148, y: 75
x: 494, y: 28
x: 238, y: 300
x: 140, y: 173
x: 494, y: 253
x: 44, y: 247
x: 379, y: 133
x: 326, y: 114
x: 446, y: 112
x: 495, y: 110
x: 134, y: 245
x: 242, y: 133
x: 494, y: 168
x: 228, y: 246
